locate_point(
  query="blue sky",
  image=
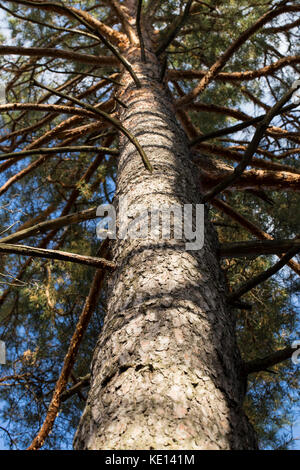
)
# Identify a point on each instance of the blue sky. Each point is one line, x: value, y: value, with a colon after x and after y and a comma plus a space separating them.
x: 296, y: 429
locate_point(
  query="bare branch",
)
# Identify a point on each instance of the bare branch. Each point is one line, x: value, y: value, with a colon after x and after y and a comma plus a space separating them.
x: 57, y: 150
x: 124, y: 19
x: 232, y: 154
x: 219, y: 64
x: 53, y: 108
x: 263, y: 276
x: 139, y: 29
x: 236, y: 128
x: 234, y: 76
x: 213, y: 171
x: 42, y: 227
x: 257, y: 247
x: 261, y: 364
x: 82, y: 382
x: 81, y: 16
x: 57, y: 28
x: 24, y: 250
x: 249, y: 226
x: 175, y: 29
x: 59, y: 54
x: 251, y: 149
x: 283, y: 28
x: 102, y: 31
x: 70, y: 357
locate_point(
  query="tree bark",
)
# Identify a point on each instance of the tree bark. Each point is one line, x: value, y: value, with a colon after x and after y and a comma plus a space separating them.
x: 166, y: 372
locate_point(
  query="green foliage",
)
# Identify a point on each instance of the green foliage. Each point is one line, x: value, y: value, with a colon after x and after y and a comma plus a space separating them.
x: 40, y: 308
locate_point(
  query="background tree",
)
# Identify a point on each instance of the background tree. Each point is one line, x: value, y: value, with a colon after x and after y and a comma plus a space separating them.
x: 218, y: 63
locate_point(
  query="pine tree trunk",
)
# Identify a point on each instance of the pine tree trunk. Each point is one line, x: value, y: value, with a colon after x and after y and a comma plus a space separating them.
x: 166, y: 372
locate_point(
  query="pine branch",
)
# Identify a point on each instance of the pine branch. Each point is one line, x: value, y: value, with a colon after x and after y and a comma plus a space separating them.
x: 263, y: 276
x: 100, y: 32
x: 122, y: 15
x: 250, y: 180
x: 49, y: 108
x: 49, y: 237
x: 233, y: 48
x: 232, y: 154
x: 236, y: 128
x: 55, y: 150
x: 80, y: 15
x: 283, y: 28
x: 82, y: 382
x: 24, y: 250
x: 251, y: 149
x: 139, y: 30
x: 56, y: 28
x: 58, y: 54
x: 261, y: 364
x: 96, y: 27
x: 83, y: 131
x: 175, y: 29
x: 70, y: 357
x: 48, y: 118
x: 121, y: 58
x: 234, y: 77
x: 256, y: 247
x: 249, y: 226
x: 22, y: 173
x: 36, y: 163
x: 116, y: 123
x: 57, y: 223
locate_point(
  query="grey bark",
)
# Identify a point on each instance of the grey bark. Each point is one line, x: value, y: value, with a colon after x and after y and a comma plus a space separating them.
x: 166, y: 372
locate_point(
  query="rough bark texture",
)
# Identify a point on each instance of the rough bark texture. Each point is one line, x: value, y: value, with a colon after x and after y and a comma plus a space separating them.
x: 166, y: 372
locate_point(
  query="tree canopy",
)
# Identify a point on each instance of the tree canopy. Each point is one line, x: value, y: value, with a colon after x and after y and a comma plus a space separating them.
x: 226, y: 65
